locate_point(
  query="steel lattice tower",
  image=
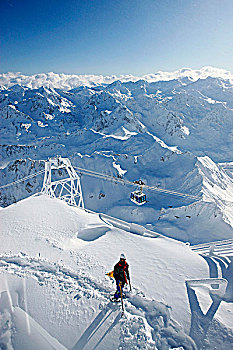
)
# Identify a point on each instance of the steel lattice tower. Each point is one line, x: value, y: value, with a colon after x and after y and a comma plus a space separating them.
x: 68, y: 189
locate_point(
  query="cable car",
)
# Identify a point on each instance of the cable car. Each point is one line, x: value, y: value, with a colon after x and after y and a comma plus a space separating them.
x: 138, y: 197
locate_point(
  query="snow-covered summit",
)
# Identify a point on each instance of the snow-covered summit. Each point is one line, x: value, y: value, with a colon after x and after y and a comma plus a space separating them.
x: 54, y: 293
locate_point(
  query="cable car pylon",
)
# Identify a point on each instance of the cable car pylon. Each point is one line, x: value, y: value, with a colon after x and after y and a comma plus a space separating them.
x: 68, y: 189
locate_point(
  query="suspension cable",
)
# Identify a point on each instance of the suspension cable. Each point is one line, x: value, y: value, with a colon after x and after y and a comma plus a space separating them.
x: 153, y: 188
x: 130, y: 183
x: 115, y: 179
x: 23, y: 179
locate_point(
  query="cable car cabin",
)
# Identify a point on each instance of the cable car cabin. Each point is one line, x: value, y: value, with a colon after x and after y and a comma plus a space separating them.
x: 138, y: 197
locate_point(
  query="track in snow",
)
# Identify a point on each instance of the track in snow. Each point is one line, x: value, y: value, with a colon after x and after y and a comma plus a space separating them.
x: 223, y: 248
x: 50, y: 273
x: 146, y: 321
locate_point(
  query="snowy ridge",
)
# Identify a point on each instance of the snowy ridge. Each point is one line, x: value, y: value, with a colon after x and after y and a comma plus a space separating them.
x: 65, y: 253
x: 78, y: 283
x: 54, y: 275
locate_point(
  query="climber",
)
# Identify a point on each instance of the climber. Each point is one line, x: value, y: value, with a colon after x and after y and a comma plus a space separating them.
x: 121, y: 275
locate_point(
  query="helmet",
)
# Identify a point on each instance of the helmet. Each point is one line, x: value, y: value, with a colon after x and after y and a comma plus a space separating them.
x: 122, y: 256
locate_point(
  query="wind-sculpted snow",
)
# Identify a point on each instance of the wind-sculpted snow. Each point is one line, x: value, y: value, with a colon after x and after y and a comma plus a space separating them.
x: 80, y: 313
x: 148, y: 323
x: 54, y: 291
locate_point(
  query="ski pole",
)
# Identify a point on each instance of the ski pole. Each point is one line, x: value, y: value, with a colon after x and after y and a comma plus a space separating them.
x: 130, y: 286
x: 122, y: 305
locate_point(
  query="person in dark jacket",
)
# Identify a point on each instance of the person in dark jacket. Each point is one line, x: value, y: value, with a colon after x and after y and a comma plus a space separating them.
x: 121, y: 275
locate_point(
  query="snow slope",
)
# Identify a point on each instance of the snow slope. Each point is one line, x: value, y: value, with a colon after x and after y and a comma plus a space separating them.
x: 54, y: 292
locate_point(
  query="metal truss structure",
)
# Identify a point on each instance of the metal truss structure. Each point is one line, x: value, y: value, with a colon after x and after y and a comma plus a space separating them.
x: 68, y: 189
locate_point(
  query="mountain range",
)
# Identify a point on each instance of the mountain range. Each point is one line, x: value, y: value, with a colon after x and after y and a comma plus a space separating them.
x: 172, y: 130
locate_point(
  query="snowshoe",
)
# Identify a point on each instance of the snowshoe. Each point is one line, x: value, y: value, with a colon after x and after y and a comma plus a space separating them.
x: 115, y: 300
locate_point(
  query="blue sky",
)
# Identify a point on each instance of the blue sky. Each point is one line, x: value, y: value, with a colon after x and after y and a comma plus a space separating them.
x: 114, y: 36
